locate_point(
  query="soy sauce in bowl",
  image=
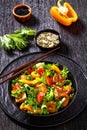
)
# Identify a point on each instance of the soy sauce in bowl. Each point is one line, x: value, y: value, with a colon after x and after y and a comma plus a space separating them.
x: 22, y: 12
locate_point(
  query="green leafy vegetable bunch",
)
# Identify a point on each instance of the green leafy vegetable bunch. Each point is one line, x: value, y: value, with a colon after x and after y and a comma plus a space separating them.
x: 17, y: 40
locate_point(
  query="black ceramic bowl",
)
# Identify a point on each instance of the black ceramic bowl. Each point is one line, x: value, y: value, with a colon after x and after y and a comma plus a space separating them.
x: 47, y: 39
x: 72, y: 110
x: 70, y: 77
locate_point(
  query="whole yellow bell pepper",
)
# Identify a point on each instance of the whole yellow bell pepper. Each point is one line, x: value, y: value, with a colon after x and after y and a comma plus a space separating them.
x: 64, y: 14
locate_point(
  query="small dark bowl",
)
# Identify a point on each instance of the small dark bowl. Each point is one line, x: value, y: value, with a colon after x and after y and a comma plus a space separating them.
x: 22, y: 12
x: 48, y: 31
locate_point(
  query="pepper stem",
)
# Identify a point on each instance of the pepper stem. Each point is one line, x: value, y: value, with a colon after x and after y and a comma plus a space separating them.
x: 59, y: 3
x: 62, y: 9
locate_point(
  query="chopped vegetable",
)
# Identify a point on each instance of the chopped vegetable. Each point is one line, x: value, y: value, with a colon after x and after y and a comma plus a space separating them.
x: 38, y: 65
x: 54, y: 67
x: 20, y: 98
x: 18, y: 40
x: 40, y: 97
x: 29, y: 70
x: 49, y: 80
x: 16, y: 87
x: 30, y: 81
x: 51, y: 106
x: 50, y: 94
x: 64, y: 14
x: 64, y: 72
x: 40, y: 70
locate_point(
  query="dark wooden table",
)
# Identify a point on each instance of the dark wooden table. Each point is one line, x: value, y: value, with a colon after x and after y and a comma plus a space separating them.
x: 74, y: 40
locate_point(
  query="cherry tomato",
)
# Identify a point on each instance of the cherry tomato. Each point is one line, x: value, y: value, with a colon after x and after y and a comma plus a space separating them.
x: 40, y: 71
x: 49, y: 80
x: 16, y: 87
x: 29, y: 70
x: 40, y: 97
x: 68, y: 92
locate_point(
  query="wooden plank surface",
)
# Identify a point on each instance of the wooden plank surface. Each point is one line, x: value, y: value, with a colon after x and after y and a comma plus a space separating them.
x: 74, y: 45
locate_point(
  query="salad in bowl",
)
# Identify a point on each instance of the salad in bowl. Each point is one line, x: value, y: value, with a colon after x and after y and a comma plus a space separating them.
x: 43, y: 89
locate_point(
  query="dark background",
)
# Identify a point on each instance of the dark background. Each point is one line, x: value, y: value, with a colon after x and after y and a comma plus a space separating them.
x: 74, y: 45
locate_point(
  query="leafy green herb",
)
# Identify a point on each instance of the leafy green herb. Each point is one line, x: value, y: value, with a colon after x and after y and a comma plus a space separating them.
x: 60, y: 102
x: 68, y: 82
x: 64, y: 72
x: 18, y: 40
x: 31, y: 99
x: 72, y: 96
x: 25, y: 31
x: 15, y: 80
x: 44, y: 110
x: 43, y: 79
x: 15, y: 93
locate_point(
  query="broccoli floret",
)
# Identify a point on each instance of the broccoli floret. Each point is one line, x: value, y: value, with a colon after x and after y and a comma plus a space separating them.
x: 68, y: 82
x: 31, y: 99
x: 50, y: 94
x: 14, y: 81
x: 64, y: 72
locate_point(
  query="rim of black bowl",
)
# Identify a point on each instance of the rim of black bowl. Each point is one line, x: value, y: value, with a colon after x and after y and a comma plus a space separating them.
x: 47, y: 30
x: 51, y: 114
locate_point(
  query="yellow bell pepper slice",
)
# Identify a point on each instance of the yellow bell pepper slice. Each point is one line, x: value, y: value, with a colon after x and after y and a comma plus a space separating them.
x: 26, y: 107
x: 37, y: 80
x: 34, y: 74
x: 67, y: 87
x: 54, y: 67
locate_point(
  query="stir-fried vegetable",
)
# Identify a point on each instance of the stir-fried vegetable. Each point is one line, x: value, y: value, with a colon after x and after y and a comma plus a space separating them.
x: 43, y: 89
